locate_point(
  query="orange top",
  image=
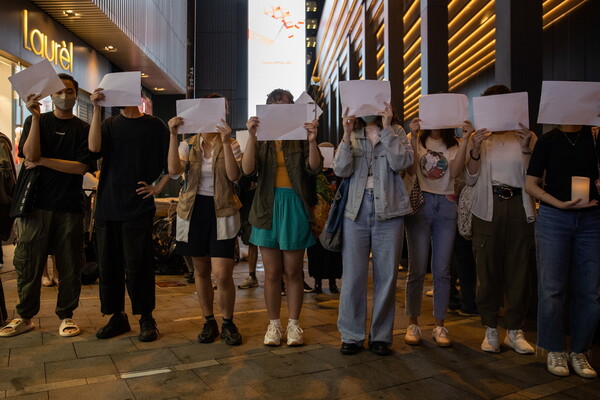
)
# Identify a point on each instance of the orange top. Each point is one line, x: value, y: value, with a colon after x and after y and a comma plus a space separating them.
x: 282, y: 178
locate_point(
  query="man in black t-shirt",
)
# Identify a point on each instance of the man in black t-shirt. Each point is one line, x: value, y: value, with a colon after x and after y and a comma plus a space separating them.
x: 56, y: 144
x: 133, y: 147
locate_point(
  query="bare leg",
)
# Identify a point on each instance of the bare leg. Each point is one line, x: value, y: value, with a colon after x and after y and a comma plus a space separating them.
x: 223, y: 270
x: 252, y: 259
x: 293, y: 261
x: 273, y: 261
x: 202, y: 272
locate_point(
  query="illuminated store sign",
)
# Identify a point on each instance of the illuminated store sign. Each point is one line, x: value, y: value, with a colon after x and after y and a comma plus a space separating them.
x: 59, y: 53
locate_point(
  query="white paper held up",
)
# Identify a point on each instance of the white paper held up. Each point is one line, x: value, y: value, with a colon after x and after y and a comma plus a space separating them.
x: 363, y: 98
x: 501, y: 112
x: 327, y: 153
x: 570, y: 103
x: 121, y: 89
x: 314, y: 112
x: 444, y: 110
x: 40, y: 79
x: 282, y: 121
x: 242, y: 139
x: 200, y: 115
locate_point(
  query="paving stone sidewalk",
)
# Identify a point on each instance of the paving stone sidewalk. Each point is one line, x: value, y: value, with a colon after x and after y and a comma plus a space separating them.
x: 42, y: 365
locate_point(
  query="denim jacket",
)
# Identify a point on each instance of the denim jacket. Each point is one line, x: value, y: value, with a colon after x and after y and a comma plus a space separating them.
x: 391, y: 154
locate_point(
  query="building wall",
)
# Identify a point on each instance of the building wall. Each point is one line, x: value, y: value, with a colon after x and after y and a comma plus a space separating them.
x: 158, y: 27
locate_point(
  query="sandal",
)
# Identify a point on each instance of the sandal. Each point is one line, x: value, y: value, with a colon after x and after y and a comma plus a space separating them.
x: 68, y: 328
x: 16, y: 327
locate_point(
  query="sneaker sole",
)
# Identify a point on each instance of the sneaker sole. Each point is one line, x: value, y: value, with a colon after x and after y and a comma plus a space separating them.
x: 490, y: 350
x: 412, y: 342
x: 442, y: 344
x: 523, y: 352
x: 565, y: 373
x: 272, y: 343
x: 295, y: 343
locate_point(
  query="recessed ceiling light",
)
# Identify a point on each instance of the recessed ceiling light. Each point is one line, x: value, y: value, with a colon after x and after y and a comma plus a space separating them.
x: 144, y: 75
x: 110, y: 48
x: 71, y: 13
x: 159, y: 89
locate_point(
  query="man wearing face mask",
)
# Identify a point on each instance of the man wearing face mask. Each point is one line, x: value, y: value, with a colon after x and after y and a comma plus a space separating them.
x: 56, y: 143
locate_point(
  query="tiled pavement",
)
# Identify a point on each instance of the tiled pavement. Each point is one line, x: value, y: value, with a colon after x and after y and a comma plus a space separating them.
x: 42, y: 365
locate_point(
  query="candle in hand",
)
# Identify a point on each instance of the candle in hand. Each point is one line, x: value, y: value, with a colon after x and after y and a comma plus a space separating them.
x: 580, y: 189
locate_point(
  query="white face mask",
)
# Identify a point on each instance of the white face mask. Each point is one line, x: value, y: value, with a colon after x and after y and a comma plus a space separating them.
x: 369, y: 118
x: 64, y: 103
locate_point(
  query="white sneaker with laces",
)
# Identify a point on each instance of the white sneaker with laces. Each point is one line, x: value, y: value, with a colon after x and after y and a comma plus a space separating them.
x: 413, y: 335
x: 248, y: 283
x: 490, y: 343
x: 294, y: 335
x: 581, y: 366
x: 440, y: 336
x: 515, y: 339
x: 273, y: 335
x: 558, y: 363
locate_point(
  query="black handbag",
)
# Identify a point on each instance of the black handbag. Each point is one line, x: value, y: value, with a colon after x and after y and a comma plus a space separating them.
x: 331, y: 236
x: 24, y: 195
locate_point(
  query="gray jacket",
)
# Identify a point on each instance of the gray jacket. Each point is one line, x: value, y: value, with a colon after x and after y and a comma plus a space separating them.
x: 392, y: 154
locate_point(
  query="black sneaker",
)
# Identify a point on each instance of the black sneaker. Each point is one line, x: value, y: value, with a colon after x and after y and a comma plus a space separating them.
x: 380, y: 348
x: 349, y: 349
x: 148, y: 330
x: 209, y: 333
x: 230, y: 334
x: 307, y: 288
x: 117, y: 325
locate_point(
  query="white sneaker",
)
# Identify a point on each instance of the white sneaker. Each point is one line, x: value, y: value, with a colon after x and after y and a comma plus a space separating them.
x: 273, y: 335
x: 490, y: 343
x: 557, y: 363
x: 249, y: 283
x: 46, y: 281
x: 581, y: 366
x: 515, y: 339
x: 429, y: 293
x: 294, y: 335
x: 413, y: 335
x: 440, y: 336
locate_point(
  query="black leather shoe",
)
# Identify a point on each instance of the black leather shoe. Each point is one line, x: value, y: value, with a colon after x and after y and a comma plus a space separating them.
x: 148, y: 331
x: 210, y: 332
x: 350, y: 349
x: 380, y: 348
x: 117, y: 325
x: 318, y: 287
x: 230, y: 334
x: 333, y: 286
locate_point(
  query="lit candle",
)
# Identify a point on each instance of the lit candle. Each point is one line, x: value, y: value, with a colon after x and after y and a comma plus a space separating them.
x: 580, y: 189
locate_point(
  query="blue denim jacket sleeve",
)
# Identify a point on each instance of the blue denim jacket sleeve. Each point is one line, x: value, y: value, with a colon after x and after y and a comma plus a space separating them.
x: 343, y: 164
x: 398, y: 151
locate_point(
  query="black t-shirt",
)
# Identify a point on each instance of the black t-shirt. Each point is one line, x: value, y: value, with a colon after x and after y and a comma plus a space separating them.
x: 563, y: 155
x: 65, y: 139
x: 133, y: 150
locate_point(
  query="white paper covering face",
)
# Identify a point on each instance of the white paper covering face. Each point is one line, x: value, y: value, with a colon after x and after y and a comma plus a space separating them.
x: 364, y: 97
x: 121, y: 89
x: 445, y: 110
x: 39, y: 79
x: 201, y: 115
x: 570, y: 103
x: 282, y: 121
x: 327, y: 153
x: 313, y: 112
x: 242, y: 139
x: 501, y: 112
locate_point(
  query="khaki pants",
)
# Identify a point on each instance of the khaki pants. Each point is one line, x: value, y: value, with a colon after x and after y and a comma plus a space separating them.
x: 504, y: 251
x: 40, y: 233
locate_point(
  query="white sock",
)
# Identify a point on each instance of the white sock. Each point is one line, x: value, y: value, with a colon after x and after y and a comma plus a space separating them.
x: 276, y: 322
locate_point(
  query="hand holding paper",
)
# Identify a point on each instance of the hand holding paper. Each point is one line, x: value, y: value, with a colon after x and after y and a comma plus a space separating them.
x: 363, y: 98
x: 201, y: 115
x: 121, y: 89
x: 40, y: 79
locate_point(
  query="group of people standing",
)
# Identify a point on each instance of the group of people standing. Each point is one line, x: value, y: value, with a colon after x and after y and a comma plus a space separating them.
x: 504, y: 169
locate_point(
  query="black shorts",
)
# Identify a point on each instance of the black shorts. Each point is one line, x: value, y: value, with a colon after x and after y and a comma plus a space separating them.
x: 202, y: 237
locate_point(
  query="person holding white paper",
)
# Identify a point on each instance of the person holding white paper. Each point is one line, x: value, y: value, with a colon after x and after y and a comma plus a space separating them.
x: 373, y: 152
x: 503, y: 216
x: 567, y: 236
x: 439, y: 160
x: 208, y: 219
x: 55, y: 145
x: 280, y: 216
x: 133, y: 147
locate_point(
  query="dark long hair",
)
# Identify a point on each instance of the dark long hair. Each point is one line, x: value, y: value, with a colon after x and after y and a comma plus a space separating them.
x: 447, y: 137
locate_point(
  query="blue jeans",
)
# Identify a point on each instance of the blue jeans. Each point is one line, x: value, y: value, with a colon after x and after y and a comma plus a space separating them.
x: 434, y: 224
x: 568, y: 262
x: 363, y: 235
